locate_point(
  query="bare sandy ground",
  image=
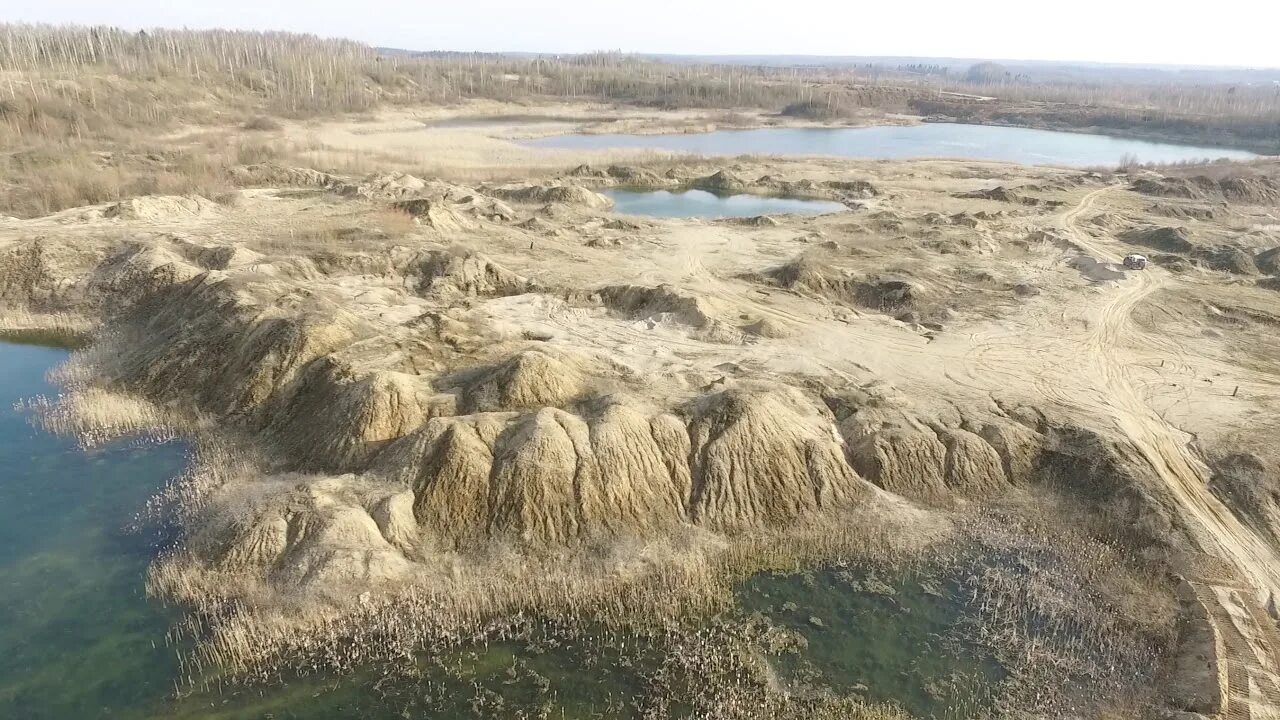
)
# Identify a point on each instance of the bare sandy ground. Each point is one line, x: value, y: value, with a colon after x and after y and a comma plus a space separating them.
x: 1013, y: 310
x: 474, y: 140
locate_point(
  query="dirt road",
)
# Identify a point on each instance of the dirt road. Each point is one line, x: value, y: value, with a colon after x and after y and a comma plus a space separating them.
x: 1234, y: 604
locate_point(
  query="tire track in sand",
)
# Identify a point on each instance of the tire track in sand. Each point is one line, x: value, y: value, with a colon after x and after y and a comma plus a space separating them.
x: 1252, y: 667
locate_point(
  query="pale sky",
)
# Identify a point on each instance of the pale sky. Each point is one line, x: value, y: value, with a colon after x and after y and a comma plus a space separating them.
x: 1199, y: 32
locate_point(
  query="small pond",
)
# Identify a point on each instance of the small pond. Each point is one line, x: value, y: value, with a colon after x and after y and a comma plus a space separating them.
x: 939, y: 140
x: 703, y: 204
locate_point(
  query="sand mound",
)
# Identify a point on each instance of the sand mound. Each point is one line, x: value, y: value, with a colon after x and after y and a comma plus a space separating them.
x: 330, y: 535
x: 530, y: 379
x: 549, y: 476
x: 770, y: 328
x: 999, y: 194
x: 545, y: 194
x: 643, y: 466
x: 1173, y: 187
x: 215, y: 257
x: 586, y: 171
x: 1017, y: 447
x: 556, y: 477
x: 810, y: 273
x: 627, y: 175
x: 537, y: 225
x: 724, y: 181
x: 138, y: 271
x: 256, y: 542
x: 383, y: 186
x: 1242, y: 189
x: 272, y: 175
x: 1178, y: 240
x: 26, y: 278
x: 1183, y: 211
x: 667, y: 305
x: 1246, y: 484
x: 434, y: 214
x: 336, y: 546
x: 162, y: 207
x: 1115, y: 479
x: 338, y: 420
x: 1106, y: 221
x: 746, y: 459
x: 925, y: 460
x: 1230, y: 260
x: 859, y: 188
x: 887, y: 295
x: 1268, y: 261
x: 482, y: 206
x: 449, y: 461
x: 545, y: 482
x: 909, y: 463
x: 640, y: 302
x: 1164, y: 239
x: 763, y: 458
x: 211, y: 340
x: 450, y: 274
x: 1259, y: 190
x: 972, y: 467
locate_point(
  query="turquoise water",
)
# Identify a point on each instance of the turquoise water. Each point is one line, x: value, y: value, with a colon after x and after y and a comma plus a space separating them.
x: 940, y: 140
x: 77, y: 637
x: 702, y: 204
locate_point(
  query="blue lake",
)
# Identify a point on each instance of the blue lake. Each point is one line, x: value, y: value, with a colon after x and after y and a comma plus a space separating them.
x: 702, y: 204
x: 932, y: 140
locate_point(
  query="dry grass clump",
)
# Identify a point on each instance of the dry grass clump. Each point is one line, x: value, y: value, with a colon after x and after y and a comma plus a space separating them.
x: 95, y: 416
x: 262, y: 123
x: 1082, y: 626
x: 396, y: 223
x: 828, y: 109
x: 52, y: 176
x: 457, y: 599
x: 255, y: 153
x: 52, y: 329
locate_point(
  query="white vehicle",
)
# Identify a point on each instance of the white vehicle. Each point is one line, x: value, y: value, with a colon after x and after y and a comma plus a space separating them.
x: 1135, y: 262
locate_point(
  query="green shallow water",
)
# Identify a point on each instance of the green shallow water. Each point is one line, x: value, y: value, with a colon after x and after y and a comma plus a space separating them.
x: 891, y: 639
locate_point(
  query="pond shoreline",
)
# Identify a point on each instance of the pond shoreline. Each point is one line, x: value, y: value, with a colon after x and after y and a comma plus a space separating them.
x: 926, y: 140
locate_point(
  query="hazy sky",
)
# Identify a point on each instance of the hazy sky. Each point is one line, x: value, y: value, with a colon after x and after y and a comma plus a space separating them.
x: 1212, y: 32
